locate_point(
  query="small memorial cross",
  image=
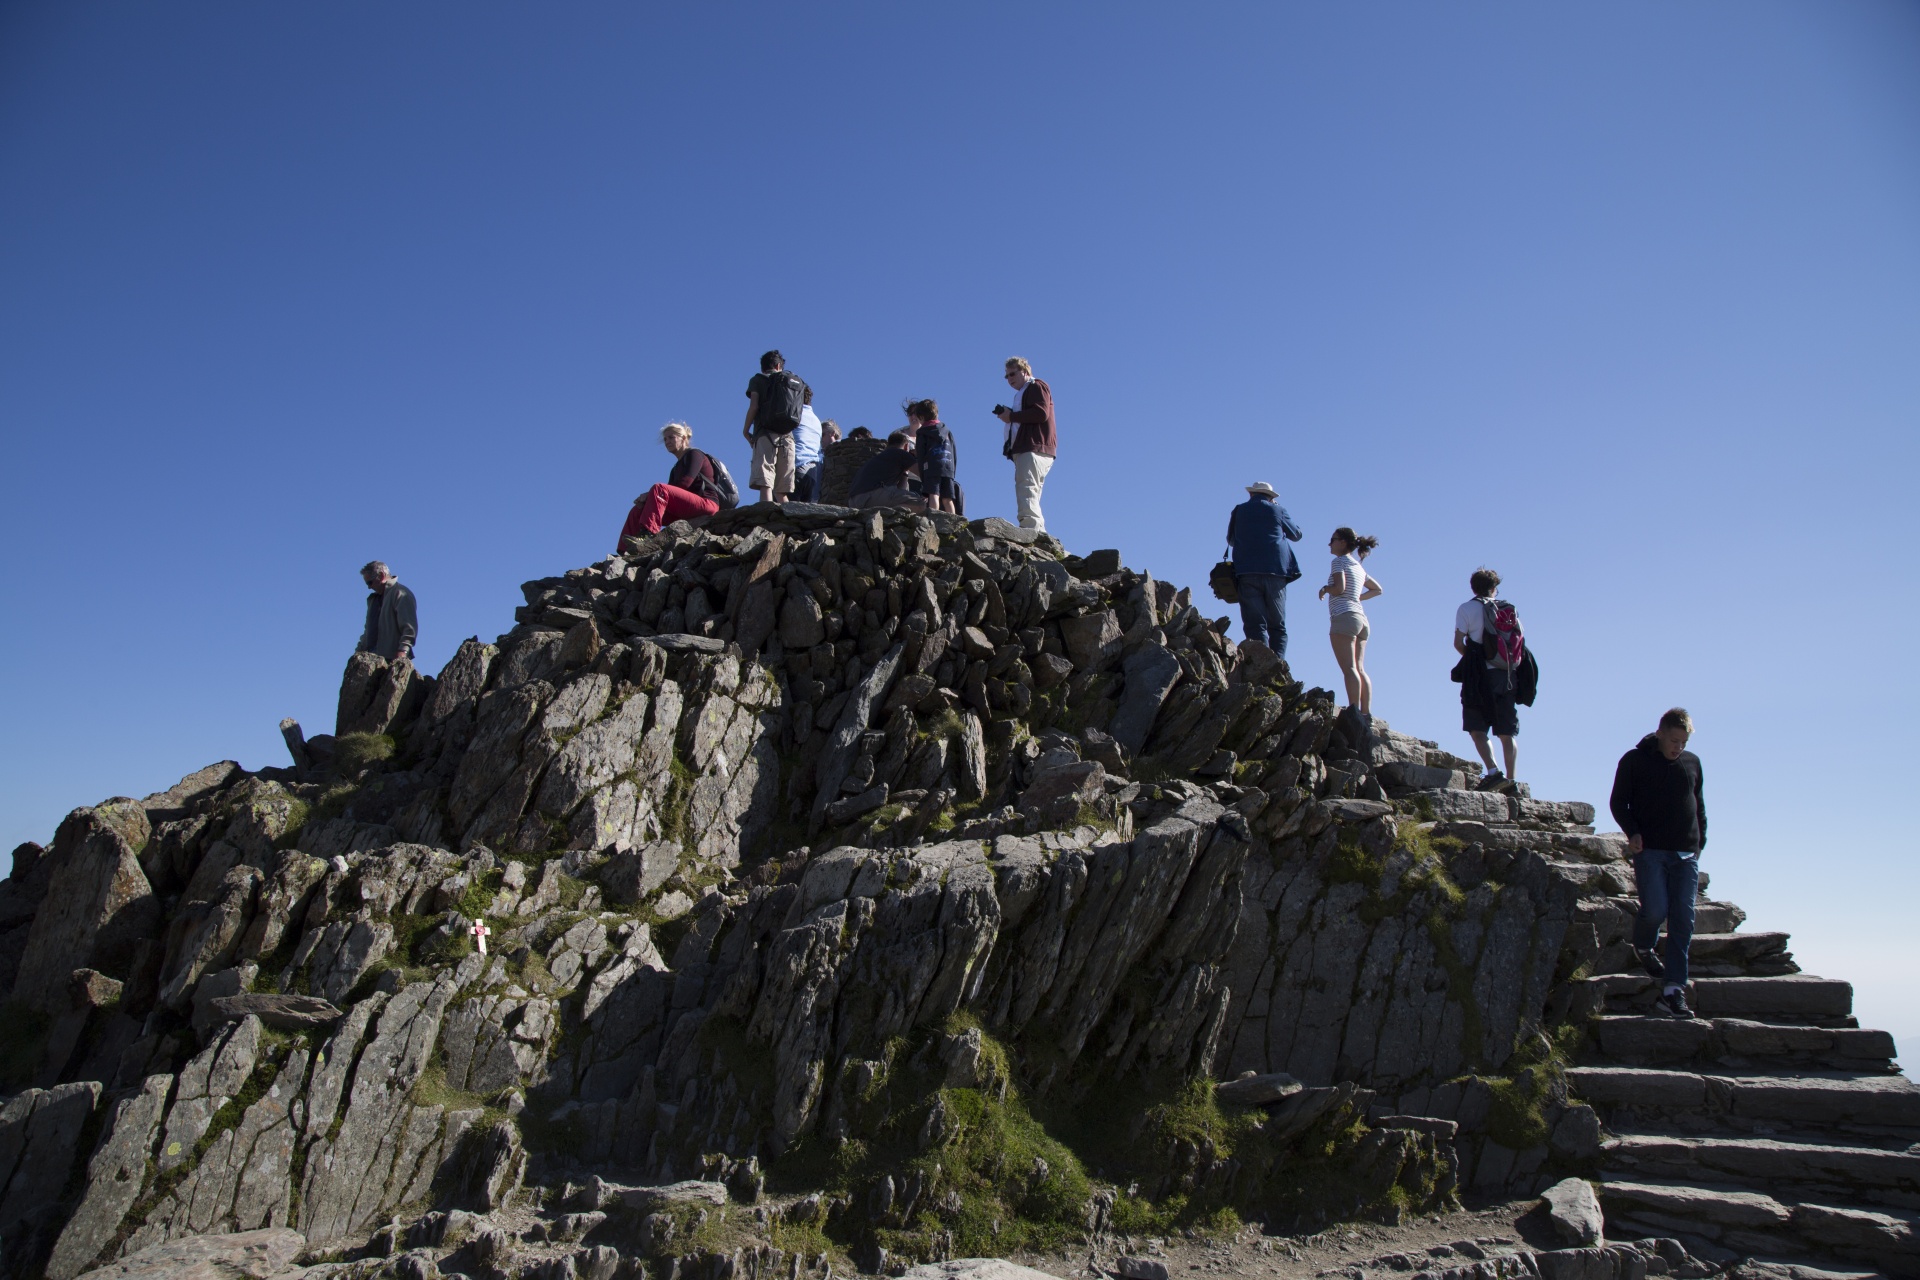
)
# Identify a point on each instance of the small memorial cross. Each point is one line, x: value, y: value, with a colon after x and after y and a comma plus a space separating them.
x: 480, y: 932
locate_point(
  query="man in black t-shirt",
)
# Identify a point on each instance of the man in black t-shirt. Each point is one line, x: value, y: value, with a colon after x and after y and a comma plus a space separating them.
x: 882, y: 481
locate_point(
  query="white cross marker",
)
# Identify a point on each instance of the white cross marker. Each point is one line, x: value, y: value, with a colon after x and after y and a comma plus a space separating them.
x: 480, y: 932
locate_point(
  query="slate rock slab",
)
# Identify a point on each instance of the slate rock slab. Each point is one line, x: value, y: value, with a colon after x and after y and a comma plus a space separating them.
x: 1257, y: 1090
x: 691, y: 1192
x: 974, y: 1269
x: 283, y: 1012
x: 253, y: 1254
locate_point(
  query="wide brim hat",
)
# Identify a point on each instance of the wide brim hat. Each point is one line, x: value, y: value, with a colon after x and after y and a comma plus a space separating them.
x: 1262, y: 488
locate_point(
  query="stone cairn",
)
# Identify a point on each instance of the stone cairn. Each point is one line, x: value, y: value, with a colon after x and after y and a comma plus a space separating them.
x: 811, y: 841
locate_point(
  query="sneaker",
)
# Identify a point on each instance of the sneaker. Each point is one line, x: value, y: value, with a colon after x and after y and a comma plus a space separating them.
x: 1650, y: 961
x: 1674, y: 1005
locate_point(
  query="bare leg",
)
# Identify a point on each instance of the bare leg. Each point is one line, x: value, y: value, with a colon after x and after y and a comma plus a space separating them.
x: 761, y: 491
x: 1343, y: 654
x: 1366, y: 681
x: 1510, y: 751
x: 1485, y: 748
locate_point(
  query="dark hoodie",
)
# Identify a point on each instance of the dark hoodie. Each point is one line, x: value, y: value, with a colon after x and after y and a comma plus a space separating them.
x: 1660, y: 800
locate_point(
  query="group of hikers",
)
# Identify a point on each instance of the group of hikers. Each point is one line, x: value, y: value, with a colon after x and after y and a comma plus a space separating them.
x: 918, y: 467
x: 1657, y: 797
x: 1496, y: 671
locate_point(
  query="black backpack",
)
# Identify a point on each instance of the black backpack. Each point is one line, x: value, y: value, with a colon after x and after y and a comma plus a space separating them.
x: 721, y: 490
x: 781, y: 400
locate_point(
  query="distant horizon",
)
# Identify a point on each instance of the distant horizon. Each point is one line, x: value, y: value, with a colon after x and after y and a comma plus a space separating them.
x: 1620, y: 300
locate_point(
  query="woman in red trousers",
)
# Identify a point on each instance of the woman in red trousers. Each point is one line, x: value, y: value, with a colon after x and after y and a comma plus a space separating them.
x: 683, y: 496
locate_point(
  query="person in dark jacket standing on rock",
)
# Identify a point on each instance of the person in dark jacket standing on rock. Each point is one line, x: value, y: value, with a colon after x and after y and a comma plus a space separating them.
x: 938, y: 456
x: 1030, y: 442
x: 1263, y: 564
x: 392, y: 622
x: 1658, y: 801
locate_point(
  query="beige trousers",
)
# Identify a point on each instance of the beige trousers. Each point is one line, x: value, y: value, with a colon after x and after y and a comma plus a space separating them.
x: 1029, y: 476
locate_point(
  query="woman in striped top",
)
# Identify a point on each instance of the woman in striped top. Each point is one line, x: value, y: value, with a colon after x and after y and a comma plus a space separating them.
x: 1347, y: 586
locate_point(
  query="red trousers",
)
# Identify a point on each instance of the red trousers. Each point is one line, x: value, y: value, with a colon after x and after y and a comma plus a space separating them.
x: 664, y: 504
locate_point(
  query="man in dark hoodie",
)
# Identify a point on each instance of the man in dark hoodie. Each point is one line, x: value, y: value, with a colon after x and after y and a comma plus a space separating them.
x: 1659, y: 803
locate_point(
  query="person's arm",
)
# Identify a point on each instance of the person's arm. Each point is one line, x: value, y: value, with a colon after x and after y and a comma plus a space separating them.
x: 1288, y: 528
x: 1230, y: 529
x: 1620, y: 803
x: 1460, y: 642
x: 407, y: 618
x: 753, y: 411
x: 1370, y: 588
x: 1700, y: 800
x: 1336, y: 584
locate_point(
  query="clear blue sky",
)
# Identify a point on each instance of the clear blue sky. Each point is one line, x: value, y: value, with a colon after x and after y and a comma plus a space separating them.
x: 1622, y: 299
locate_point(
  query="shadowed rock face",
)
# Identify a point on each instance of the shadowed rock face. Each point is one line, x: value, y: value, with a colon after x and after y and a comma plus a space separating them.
x: 764, y: 821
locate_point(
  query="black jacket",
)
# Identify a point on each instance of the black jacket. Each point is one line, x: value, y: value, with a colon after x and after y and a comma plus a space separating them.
x: 1660, y: 800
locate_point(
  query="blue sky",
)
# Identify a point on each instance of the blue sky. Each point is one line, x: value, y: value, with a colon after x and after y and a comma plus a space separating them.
x: 1621, y: 299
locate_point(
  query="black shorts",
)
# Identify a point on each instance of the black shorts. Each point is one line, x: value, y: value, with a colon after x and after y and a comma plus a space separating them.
x: 1482, y: 712
x: 940, y: 488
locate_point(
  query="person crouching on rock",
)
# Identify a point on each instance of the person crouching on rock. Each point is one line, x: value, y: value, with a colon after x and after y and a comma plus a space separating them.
x: 392, y: 620
x: 684, y: 496
x: 1346, y: 587
x: 934, y: 450
x: 882, y: 480
x: 1660, y: 802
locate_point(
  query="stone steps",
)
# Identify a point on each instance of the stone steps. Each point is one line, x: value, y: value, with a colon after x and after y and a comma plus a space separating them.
x: 1885, y: 1175
x: 1715, y: 955
x: 1632, y: 1040
x: 1798, y: 999
x: 1881, y: 1104
x: 1770, y: 1125
x: 1747, y: 1221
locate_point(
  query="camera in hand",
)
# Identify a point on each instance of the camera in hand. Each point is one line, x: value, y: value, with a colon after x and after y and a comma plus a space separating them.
x: 1000, y: 409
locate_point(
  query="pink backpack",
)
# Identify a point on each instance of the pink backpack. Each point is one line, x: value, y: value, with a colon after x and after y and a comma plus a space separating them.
x: 1506, y: 647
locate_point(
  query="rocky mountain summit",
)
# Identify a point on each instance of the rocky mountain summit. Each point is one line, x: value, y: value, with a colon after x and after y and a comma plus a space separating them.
x: 813, y: 889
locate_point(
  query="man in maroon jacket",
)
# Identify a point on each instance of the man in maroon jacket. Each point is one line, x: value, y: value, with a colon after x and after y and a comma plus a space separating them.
x: 1030, y: 440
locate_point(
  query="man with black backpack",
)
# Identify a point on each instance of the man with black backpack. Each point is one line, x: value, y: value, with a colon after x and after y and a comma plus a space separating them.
x: 1492, y: 673
x: 776, y: 399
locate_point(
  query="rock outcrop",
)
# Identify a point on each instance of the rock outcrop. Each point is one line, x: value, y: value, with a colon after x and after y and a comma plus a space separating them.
x: 916, y: 872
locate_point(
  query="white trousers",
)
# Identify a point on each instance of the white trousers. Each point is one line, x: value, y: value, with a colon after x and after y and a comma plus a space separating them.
x: 1029, y: 476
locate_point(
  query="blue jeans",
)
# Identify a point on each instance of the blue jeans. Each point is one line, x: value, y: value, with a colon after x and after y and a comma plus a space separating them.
x: 806, y: 480
x: 1263, y: 609
x: 1668, y: 885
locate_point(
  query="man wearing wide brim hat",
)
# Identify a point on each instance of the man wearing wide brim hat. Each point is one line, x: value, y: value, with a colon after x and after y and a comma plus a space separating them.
x: 1263, y: 564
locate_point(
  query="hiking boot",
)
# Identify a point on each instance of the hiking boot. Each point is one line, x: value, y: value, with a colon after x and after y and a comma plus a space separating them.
x: 1674, y: 1005
x: 1650, y: 961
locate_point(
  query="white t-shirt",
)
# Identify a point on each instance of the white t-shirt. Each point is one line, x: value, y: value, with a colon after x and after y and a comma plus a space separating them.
x: 1470, y: 620
x: 1348, y: 600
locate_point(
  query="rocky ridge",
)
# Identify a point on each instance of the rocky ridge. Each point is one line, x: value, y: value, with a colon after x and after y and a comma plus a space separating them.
x: 883, y: 888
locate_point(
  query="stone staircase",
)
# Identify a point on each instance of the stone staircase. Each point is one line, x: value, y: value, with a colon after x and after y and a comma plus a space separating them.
x: 1771, y: 1125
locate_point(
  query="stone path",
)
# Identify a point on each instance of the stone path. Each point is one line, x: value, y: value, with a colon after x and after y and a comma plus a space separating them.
x: 1772, y: 1124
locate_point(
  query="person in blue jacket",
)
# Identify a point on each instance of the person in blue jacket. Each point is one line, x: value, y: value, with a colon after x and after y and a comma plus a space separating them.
x: 1263, y: 564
